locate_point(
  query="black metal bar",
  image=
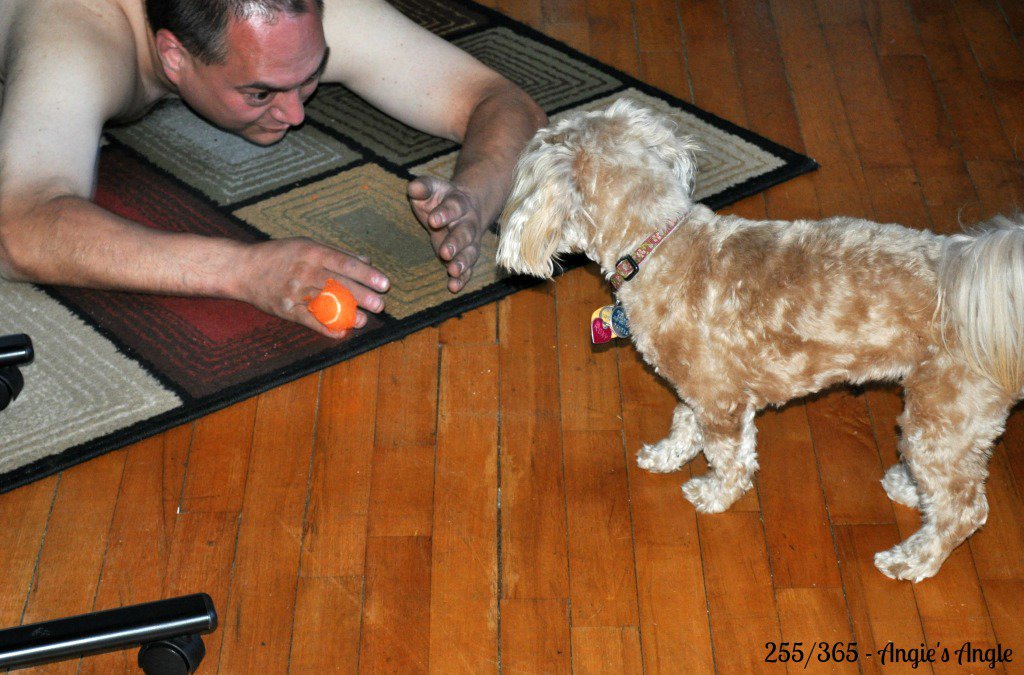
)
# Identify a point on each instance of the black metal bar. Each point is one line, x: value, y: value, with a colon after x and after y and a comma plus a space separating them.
x: 16, y: 350
x: 106, y: 631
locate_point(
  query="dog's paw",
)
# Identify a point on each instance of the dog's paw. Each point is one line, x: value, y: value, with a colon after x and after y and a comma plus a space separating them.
x: 900, y: 486
x: 708, y: 495
x: 665, y: 456
x: 909, y: 561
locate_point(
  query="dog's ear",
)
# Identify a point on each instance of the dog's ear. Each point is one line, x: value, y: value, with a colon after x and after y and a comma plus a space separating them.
x: 658, y: 133
x: 679, y: 152
x: 543, y: 200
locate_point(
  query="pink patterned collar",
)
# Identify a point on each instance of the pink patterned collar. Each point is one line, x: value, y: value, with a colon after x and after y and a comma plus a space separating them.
x: 628, y: 265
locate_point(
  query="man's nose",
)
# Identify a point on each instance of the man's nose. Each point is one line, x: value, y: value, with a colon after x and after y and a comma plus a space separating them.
x: 289, y: 109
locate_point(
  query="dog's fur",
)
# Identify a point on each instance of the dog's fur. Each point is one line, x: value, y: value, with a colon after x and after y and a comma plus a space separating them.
x: 740, y: 314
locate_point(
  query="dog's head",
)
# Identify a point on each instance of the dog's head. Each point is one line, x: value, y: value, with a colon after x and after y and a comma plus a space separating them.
x: 582, y: 183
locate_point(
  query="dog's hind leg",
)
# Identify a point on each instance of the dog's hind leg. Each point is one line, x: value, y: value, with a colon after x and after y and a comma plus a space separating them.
x: 730, y: 447
x: 948, y: 425
x: 680, y: 446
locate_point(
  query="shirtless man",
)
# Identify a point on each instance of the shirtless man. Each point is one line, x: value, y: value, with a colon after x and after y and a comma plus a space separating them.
x: 69, y: 66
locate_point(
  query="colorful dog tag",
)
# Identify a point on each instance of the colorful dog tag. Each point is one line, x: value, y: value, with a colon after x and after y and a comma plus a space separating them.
x: 608, y: 322
x: 600, y: 332
x: 620, y: 323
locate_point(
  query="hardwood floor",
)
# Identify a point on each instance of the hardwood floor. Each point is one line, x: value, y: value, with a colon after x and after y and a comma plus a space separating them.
x: 467, y: 500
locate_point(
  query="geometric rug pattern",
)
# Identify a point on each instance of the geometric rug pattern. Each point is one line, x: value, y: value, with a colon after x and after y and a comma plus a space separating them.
x: 112, y: 368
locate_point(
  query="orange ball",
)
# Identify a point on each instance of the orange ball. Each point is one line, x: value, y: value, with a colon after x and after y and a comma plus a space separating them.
x: 335, y: 307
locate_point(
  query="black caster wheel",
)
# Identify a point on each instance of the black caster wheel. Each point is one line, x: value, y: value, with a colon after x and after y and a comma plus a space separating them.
x: 175, y: 656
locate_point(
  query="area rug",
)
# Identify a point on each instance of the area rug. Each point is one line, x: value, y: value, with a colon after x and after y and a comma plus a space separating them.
x: 113, y: 368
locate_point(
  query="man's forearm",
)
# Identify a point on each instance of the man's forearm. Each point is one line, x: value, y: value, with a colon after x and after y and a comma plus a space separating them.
x: 71, y: 241
x: 500, y: 127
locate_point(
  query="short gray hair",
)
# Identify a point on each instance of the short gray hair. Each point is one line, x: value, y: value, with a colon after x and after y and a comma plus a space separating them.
x: 201, y: 25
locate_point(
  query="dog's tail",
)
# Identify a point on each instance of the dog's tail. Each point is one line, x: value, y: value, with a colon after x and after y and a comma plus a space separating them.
x: 981, y: 298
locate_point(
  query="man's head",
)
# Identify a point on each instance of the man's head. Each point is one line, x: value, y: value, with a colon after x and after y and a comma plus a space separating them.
x: 246, y: 65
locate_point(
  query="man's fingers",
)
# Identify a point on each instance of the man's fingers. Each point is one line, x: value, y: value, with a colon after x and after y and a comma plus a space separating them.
x: 456, y: 284
x: 360, y: 271
x: 460, y: 243
x: 423, y: 187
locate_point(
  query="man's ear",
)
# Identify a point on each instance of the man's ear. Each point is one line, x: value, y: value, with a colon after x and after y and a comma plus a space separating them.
x: 173, y: 55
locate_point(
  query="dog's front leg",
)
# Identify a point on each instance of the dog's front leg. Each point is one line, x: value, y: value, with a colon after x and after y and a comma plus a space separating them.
x: 680, y: 446
x: 730, y: 447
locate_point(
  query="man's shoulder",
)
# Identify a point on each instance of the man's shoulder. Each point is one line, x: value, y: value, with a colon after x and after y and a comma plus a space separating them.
x: 97, y: 54
x: 98, y: 30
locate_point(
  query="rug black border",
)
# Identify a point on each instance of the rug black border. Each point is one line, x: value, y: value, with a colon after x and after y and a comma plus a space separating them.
x: 392, y: 329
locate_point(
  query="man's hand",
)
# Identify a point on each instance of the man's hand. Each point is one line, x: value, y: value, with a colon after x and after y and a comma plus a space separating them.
x: 452, y: 217
x: 281, y: 276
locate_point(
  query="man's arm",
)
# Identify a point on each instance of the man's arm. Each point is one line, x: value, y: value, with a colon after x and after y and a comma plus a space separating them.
x: 55, y: 103
x: 429, y: 84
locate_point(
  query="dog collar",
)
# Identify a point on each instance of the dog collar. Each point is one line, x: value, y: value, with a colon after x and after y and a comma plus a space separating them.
x: 628, y: 265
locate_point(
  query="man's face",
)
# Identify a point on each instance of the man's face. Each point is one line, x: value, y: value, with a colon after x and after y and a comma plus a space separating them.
x: 260, y: 90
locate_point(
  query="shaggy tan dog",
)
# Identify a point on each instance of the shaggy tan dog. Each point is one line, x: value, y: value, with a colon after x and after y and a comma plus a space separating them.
x: 740, y: 314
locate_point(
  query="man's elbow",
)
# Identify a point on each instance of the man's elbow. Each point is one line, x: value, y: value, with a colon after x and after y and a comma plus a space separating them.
x: 11, y: 265
x: 505, y: 97
x: 17, y: 257
x: 536, y: 115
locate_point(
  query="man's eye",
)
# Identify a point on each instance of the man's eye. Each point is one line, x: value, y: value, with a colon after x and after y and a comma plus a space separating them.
x: 259, y: 97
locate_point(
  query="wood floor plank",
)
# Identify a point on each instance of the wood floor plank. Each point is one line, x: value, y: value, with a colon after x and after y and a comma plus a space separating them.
x: 68, y: 573
x: 877, y: 135
x: 407, y: 415
x: 998, y: 54
x: 477, y: 326
x: 535, y: 636
x: 1013, y: 442
x: 762, y: 72
x: 612, y: 34
x: 402, y: 482
x: 817, y: 620
x: 945, y: 183
x: 588, y: 378
x: 135, y: 565
x: 959, y: 81
x: 325, y: 637
x: 796, y: 521
x: 893, y: 28
x: 999, y: 185
x: 848, y: 459
x: 200, y: 557
x: 464, y: 554
x: 660, y: 45
x: 674, y: 626
x: 257, y: 624
x: 672, y: 599
x: 998, y: 547
x: 23, y: 516
x: 741, y: 599
x: 881, y: 610
x: 1014, y: 13
x: 712, y: 63
x: 819, y: 105
x: 602, y: 574
x: 1004, y: 600
x: 606, y: 650
x: 668, y: 70
x: 219, y: 460
x: 395, y: 634
x: 334, y: 535
x: 533, y: 523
